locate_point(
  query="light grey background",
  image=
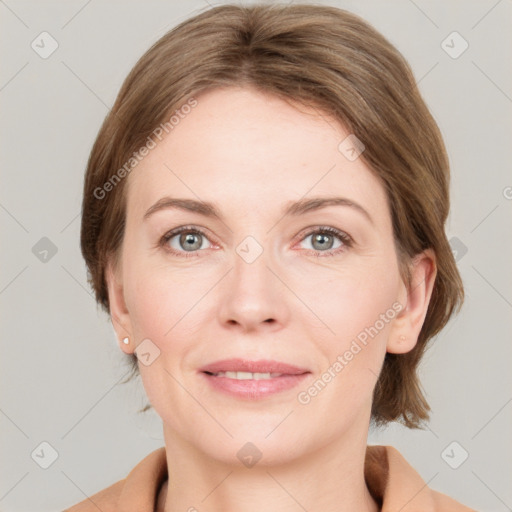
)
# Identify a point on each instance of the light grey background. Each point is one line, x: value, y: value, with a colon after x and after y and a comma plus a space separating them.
x: 60, y: 363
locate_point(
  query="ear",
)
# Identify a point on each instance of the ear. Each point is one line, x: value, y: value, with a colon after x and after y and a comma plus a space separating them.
x: 119, y: 313
x: 414, y: 301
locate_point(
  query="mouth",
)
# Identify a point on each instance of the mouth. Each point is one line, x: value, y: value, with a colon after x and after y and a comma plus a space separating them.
x: 244, y: 366
x: 252, y: 380
x: 246, y: 375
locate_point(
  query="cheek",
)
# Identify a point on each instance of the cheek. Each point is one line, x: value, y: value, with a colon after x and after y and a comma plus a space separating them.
x: 150, y: 300
x: 359, y: 313
x: 162, y: 301
x: 356, y: 310
x: 350, y: 300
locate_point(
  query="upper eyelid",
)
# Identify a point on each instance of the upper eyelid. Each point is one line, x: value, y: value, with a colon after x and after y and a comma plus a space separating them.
x: 184, y: 229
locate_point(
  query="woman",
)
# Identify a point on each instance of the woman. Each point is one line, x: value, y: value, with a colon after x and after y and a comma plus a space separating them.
x: 263, y: 219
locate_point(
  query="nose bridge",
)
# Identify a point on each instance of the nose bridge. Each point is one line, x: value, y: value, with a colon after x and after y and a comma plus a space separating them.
x: 252, y: 294
x: 254, y: 249
x: 250, y: 264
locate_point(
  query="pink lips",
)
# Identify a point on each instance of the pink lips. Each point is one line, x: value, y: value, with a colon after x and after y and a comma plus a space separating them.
x: 253, y: 389
x: 244, y: 365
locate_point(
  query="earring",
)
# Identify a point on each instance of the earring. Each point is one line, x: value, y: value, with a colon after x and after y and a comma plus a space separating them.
x: 126, y: 340
x: 402, y: 337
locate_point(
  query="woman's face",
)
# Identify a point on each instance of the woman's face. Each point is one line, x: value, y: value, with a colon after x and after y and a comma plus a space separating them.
x: 259, y: 282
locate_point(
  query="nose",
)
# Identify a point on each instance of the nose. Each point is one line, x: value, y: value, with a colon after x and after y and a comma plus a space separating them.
x: 252, y: 296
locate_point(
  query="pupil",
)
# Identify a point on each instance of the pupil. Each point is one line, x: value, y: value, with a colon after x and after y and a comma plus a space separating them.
x: 322, y: 239
x: 189, y: 240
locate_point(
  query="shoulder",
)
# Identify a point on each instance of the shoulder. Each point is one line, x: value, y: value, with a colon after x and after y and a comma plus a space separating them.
x: 399, y: 485
x: 135, y: 492
x: 443, y: 503
x: 104, y: 500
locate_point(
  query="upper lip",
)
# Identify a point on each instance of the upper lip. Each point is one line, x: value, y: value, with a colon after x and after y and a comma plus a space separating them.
x: 260, y: 366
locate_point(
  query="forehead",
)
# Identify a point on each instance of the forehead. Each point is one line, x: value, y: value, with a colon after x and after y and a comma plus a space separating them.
x: 244, y: 149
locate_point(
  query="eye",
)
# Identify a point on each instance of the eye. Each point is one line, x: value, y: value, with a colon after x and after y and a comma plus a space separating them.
x: 323, y: 239
x: 188, y: 240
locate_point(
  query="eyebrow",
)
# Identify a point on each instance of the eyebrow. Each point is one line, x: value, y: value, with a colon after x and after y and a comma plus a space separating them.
x: 292, y: 208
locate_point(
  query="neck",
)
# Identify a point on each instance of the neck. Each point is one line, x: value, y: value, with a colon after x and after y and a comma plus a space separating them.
x: 330, y: 478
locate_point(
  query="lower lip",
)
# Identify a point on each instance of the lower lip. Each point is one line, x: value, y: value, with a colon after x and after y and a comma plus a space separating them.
x: 254, y: 389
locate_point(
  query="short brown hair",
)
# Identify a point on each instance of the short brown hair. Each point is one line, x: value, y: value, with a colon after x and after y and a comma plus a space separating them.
x: 318, y: 56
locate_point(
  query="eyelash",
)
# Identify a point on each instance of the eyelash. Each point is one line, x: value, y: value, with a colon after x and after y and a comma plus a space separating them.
x: 346, y: 239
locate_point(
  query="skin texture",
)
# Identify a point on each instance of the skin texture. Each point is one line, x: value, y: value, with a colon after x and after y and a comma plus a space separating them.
x: 251, y: 154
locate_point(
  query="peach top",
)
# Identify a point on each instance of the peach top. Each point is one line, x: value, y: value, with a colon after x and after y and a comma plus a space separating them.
x: 393, y: 483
